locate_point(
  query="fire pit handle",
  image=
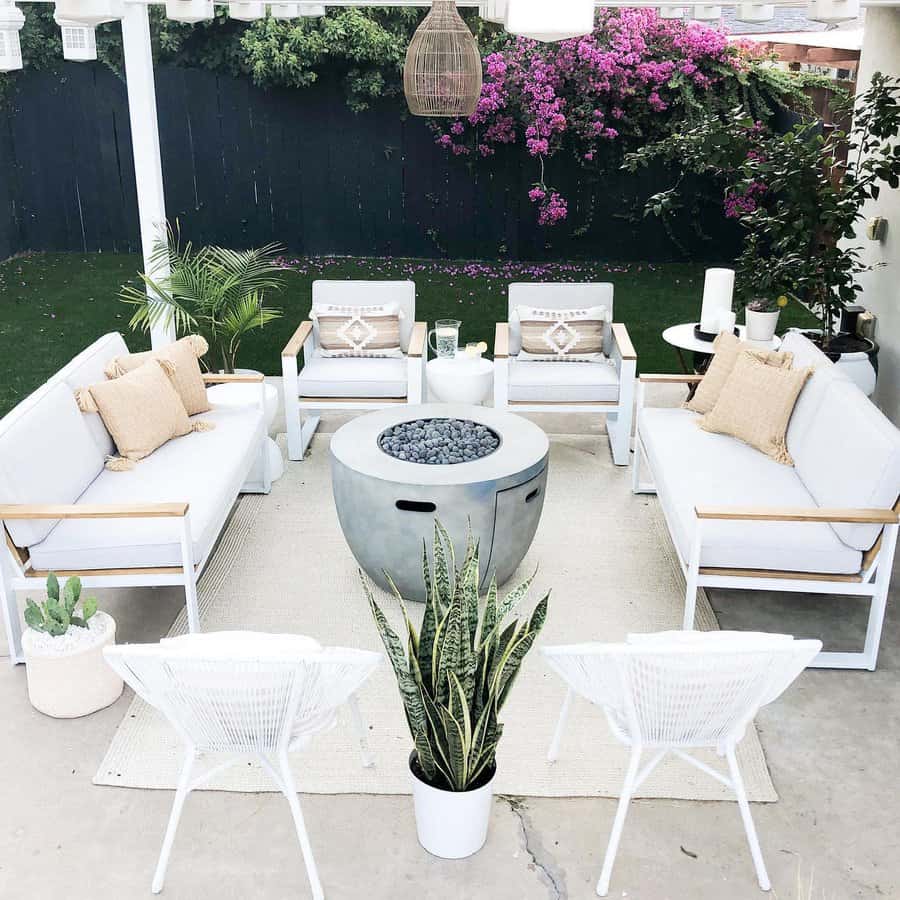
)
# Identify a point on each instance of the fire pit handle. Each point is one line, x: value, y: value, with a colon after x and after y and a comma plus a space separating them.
x: 532, y: 495
x: 416, y: 506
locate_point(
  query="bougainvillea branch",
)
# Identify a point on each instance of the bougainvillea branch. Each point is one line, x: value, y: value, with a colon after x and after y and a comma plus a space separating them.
x: 628, y: 82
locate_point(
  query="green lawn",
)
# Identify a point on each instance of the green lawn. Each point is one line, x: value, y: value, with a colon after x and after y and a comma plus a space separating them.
x: 54, y: 304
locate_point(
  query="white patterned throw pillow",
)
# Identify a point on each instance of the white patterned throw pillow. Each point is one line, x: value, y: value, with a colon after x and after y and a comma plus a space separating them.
x: 371, y: 331
x: 562, y: 335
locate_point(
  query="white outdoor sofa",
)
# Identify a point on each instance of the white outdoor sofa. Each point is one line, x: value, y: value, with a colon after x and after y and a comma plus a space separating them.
x: 352, y: 383
x: 156, y: 524
x: 536, y: 386
x: 738, y: 519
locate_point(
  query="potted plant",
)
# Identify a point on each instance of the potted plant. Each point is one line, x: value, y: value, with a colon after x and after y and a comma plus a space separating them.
x: 211, y: 291
x: 761, y: 317
x: 454, y: 677
x: 63, y: 645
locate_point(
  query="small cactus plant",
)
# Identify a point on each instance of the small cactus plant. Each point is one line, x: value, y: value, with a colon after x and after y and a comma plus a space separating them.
x: 55, y: 614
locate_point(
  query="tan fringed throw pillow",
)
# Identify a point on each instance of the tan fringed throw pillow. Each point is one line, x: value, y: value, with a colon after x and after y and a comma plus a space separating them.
x: 141, y: 410
x: 562, y: 335
x: 372, y: 331
x: 188, y: 378
x: 727, y: 349
x: 756, y: 403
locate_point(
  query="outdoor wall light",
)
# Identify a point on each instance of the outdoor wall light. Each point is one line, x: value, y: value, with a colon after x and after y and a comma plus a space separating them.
x: 832, y: 11
x: 11, y: 21
x: 442, y: 73
x: 756, y: 12
x: 246, y: 12
x: 190, y: 11
x: 89, y: 12
x: 79, y: 40
x: 557, y: 21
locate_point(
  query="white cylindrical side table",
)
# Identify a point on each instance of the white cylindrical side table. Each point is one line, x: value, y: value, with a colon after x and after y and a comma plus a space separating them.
x: 461, y: 380
x: 243, y: 395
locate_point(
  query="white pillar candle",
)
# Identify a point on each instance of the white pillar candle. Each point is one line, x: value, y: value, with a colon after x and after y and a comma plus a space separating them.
x: 718, y: 288
x: 727, y: 321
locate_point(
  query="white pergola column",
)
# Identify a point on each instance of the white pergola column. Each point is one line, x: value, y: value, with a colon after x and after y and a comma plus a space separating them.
x: 145, y: 146
x: 881, y: 53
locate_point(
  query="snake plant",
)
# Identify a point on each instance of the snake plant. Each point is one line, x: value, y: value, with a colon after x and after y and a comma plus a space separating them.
x: 456, y: 672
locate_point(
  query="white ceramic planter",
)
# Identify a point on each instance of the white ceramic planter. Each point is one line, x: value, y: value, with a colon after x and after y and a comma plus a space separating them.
x: 761, y: 325
x: 451, y: 824
x: 75, y: 681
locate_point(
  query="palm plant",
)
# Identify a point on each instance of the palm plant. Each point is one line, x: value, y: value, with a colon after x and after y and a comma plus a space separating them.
x: 458, y: 669
x: 212, y: 291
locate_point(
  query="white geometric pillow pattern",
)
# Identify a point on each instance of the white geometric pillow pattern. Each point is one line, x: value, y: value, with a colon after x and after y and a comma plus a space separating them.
x: 368, y: 331
x: 562, y: 335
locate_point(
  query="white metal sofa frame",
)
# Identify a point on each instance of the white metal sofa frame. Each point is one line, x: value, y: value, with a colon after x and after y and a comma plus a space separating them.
x: 872, y: 581
x: 259, y: 699
x: 619, y: 413
x: 663, y: 695
x: 301, y: 426
x: 17, y: 574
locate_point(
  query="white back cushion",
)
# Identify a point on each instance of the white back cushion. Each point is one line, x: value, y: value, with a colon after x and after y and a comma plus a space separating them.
x: 87, y: 369
x: 549, y: 295
x: 47, y: 455
x: 846, y: 452
x: 370, y: 293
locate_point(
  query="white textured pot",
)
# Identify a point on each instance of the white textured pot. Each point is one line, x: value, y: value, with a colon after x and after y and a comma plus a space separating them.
x: 761, y: 325
x: 67, y: 675
x: 451, y: 824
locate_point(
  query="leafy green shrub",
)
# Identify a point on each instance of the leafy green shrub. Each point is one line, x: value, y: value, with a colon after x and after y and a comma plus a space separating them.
x: 458, y: 669
x: 56, y: 614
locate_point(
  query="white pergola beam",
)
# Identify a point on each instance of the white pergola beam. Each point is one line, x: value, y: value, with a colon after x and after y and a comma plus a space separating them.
x: 145, y: 147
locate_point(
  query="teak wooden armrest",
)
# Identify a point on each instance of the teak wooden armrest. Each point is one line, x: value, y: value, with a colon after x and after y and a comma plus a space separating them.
x: 798, y: 514
x: 298, y: 339
x: 501, y: 340
x: 223, y: 378
x: 670, y: 379
x: 417, y: 339
x: 10, y: 511
x: 622, y: 340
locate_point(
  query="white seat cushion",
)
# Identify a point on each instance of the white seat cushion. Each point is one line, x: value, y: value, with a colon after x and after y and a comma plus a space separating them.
x: 354, y: 377
x: 847, y: 453
x: 206, y: 469
x: 562, y: 382
x: 693, y: 467
x: 47, y: 455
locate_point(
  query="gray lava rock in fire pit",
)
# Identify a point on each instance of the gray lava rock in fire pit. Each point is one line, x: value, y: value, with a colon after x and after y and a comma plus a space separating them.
x: 439, y: 442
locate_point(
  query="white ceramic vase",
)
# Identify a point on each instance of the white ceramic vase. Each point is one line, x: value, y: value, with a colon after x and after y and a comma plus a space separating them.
x: 761, y: 325
x: 451, y: 824
x: 75, y: 681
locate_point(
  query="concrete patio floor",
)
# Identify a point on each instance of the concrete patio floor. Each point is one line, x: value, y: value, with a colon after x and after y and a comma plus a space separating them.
x: 831, y: 743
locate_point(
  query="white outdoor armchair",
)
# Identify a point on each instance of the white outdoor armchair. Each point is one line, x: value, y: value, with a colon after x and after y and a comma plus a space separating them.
x: 245, y: 694
x: 673, y: 692
x: 567, y: 387
x: 353, y: 383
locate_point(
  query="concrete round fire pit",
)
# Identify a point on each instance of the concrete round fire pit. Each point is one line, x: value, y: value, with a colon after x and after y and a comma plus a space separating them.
x: 387, y: 505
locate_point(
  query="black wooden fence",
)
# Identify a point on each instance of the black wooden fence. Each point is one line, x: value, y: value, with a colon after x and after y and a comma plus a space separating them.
x: 243, y: 166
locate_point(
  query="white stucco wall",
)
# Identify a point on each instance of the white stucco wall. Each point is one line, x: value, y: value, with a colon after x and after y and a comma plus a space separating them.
x: 881, y: 294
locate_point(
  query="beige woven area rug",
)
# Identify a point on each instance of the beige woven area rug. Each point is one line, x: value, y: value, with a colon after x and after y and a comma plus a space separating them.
x: 283, y: 566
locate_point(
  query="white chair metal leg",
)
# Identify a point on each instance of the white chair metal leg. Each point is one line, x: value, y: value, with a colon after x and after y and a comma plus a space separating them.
x: 618, y: 429
x: 752, y: 839
x: 190, y: 575
x: 692, y: 576
x: 619, y: 822
x: 181, y: 792
x: 10, y: 613
x: 879, y: 598
x: 553, y: 752
x: 359, y: 724
x: 290, y: 792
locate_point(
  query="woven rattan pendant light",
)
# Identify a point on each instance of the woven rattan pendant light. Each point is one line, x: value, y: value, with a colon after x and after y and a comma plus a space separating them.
x: 442, y: 75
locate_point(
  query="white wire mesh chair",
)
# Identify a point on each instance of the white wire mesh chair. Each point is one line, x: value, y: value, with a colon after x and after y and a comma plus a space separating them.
x: 675, y: 691
x: 245, y: 694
